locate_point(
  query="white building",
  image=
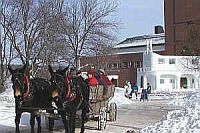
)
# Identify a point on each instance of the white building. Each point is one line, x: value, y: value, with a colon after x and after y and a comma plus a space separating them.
x: 168, y: 73
x: 138, y: 44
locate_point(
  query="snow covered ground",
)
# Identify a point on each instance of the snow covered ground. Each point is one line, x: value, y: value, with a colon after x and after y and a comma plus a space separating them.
x: 7, y: 109
x: 186, y: 120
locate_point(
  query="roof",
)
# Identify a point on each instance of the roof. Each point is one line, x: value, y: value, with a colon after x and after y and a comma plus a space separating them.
x: 141, y: 41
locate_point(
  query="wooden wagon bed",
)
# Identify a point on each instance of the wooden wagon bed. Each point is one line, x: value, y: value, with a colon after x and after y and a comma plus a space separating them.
x: 99, y: 104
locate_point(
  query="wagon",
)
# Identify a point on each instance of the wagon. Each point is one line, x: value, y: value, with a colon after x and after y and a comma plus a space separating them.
x: 101, y: 110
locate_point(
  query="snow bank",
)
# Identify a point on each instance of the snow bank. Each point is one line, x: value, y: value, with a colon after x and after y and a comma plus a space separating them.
x: 7, y: 109
x: 186, y: 120
x: 191, y: 101
x: 119, y: 97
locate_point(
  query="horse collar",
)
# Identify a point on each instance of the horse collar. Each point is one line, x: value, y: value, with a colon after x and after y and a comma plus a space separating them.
x: 27, y: 83
x: 68, y: 88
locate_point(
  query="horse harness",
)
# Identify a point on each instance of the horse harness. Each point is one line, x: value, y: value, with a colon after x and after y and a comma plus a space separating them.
x: 68, y: 88
x: 24, y: 84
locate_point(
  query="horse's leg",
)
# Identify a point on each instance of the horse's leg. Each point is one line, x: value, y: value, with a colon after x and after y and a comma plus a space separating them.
x: 83, y: 119
x: 51, y: 121
x: 65, y: 122
x: 85, y: 107
x: 38, y: 118
x: 72, y: 120
x: 17, y: 120
x: 32, y: 122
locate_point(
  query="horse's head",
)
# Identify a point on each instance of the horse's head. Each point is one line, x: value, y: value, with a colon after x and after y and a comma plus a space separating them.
x: 19, y: 80
x: 58, y: 80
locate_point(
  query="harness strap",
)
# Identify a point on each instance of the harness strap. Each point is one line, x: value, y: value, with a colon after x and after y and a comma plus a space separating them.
x: 69, y: 88
x: 27, y: 82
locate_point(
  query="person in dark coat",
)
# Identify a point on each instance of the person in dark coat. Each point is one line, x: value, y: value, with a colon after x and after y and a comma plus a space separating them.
x: 148, y: 90
x: 134, y: 89
x: 144, y: 95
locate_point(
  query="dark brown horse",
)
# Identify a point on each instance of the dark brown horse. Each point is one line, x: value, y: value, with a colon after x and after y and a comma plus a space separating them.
x: 30, y: 96
x: 70, y: 93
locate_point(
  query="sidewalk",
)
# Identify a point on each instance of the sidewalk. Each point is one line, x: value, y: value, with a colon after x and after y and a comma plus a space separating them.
x: 135, y: 116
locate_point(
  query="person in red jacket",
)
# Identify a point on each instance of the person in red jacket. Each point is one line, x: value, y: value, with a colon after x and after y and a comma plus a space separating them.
x: 92, y: 81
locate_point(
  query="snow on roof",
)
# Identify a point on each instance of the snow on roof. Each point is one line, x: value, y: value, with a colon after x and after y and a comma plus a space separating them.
x: 142, y: 40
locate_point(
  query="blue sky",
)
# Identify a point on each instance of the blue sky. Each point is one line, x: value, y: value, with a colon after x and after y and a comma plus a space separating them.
x: 138, y: 17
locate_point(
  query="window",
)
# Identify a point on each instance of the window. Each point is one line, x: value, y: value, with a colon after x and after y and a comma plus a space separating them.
x: 161, y: 61
x: 109, y: 66
x: 125, y: 64
x: 119, y: 65
x: 138, y: 64
x: 130, y: 64
x: 115, y: 65
x: 172, y: 81
x: 193, y: 81
x: 134, y: 64
x: 172, y: 61
x: 162, y: 81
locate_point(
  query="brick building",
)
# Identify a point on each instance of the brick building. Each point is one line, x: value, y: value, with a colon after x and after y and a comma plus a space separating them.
x: 127, y: 57
x: 180, y: 17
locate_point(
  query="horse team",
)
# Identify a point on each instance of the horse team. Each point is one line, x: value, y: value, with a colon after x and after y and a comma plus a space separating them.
x: 67, y: 89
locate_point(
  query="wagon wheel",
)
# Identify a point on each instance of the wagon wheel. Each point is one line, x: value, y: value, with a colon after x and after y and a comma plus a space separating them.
x: 102, y: 119
x: 113, y: 112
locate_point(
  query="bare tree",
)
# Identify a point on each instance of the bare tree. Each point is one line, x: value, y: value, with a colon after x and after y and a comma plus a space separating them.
x: 102, y: 54
x: 3, y: 47
x: 31, y: 27
x: 87, y: 23
x: 43, y: 31
x: 191, y: 48
x: 24, y: 29
x: 1, y: 54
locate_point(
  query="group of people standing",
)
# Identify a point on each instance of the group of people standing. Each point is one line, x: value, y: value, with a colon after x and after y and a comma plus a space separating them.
x: 134, y: 89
